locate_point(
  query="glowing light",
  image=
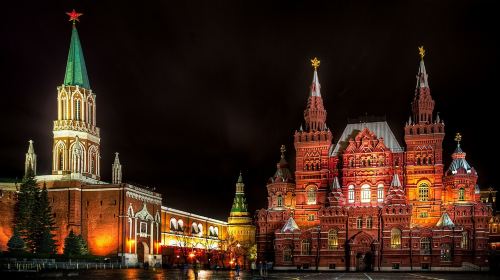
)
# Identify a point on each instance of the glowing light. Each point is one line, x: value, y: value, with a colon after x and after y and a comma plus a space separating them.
x: 191, y: 255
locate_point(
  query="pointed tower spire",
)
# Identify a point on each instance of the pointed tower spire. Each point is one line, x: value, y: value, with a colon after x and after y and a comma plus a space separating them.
x: 117, y: 170
x: 459, y: 163
x: 76, y: 71
x: 30, y: 162
x: 239, y: 207
x: 315, y: 113
x: 396, y: 193
x: 423, y: 104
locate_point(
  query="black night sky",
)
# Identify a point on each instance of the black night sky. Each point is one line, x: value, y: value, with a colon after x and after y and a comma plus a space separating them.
x: 190, y: 92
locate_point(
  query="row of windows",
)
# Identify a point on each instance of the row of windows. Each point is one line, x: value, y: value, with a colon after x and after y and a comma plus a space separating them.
x: 366, y: 193
x: 178, y: 225
x: 77, y: 114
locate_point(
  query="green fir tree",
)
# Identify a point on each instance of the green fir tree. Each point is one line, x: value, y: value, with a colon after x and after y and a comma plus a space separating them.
x: 43, y: 224
x: 16, y: 243
x: 26, y: 200
x: 83, y: 245
x: 72, y: 245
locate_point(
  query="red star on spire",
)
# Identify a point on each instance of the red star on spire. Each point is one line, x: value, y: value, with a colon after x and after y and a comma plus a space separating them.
x: 73, y: 16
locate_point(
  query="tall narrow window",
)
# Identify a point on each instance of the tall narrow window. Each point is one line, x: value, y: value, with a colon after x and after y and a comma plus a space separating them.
x: 280, y: 201
x: 90, y: 114
x: 365, y: 193
x: 359, y: 222
x: 63, y: 108
x: 60, y: 159
x: 77, y: 109
x: 423, y: 192
x: 351, y: 194
x: 369, y: 222
x: 461, y: 194
x: 306, y: 247
x: 446, y: 252
x: 333, y: 239
x: 287, y: 254
x: 464, y: 244
x: 311, y: 196
x: 380, y: 193
x: 395, y: 238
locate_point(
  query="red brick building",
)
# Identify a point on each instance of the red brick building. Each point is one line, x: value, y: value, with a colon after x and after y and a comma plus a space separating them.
x: 364, y: 202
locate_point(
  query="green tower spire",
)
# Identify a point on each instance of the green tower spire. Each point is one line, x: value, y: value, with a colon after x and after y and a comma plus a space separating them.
x: 239, y: 203
x: 76, y: 72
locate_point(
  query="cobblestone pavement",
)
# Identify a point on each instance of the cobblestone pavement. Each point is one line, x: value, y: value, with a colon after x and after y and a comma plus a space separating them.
x: 174, y: 274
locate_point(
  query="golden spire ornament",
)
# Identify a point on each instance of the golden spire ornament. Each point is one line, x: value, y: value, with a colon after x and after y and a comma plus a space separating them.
x: 421, y: 51
x: 315, y: 63
x: 458, y: 137
x: 283, y: 150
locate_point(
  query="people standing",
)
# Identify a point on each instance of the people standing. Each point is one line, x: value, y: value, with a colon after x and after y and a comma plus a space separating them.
x: 237, y: 267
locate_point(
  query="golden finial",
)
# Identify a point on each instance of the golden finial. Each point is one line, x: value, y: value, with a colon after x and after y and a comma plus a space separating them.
x: 315, y: 63
x: 283, y: 150
x: 458, y: 137
x: 421, y: 51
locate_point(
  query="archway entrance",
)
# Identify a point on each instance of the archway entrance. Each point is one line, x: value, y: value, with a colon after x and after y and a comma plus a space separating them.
x: 361, y: 252
x: 142, y: 252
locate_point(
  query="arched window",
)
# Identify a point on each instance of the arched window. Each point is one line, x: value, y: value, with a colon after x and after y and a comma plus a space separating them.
x: 64, y: 108
x: 395, y: 238
x: 90, y: 113
x: 461, y: 194
x: 311, y: 195
x: 280, y: 201
x: 60, y: 159
x: 359, y: 222
x: 380, y: 193
x: 464, y: 244
x: 216, y: 231
x: 287, y: 254
x: 365, y: 193
x: 369, y: 222
x: 306, y: 247
x: 423, y: 192
x: 333, y: 239
x: 173, y: 224
x: 194, y: 228
x: 351, y: 194
x: 180, y: 225
x: 211, y: 231
x: 78, y: 109
x: 200, y: 229
x: 425, y: 245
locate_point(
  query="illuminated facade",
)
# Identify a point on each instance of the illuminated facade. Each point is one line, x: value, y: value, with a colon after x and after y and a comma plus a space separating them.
x: 186, y: 237
x: 366, y: 203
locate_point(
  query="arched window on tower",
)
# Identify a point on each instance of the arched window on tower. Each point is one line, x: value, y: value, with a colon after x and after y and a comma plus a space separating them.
x: 311, y: 195
x: 423, y: 192
x: 380, y: 193
x: 365, y: 193
x: 351, y: 194
x: 60, y: 159
x: 78, y: 111
x: 90, y: 113
x: 395, y: 238
x: 461, y: 194
x: 280, y: 201
x: 64, y: 108
x: 333, y: 240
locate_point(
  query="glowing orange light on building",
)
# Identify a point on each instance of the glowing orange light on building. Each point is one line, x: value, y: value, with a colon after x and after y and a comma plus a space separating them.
x: 191, y: 255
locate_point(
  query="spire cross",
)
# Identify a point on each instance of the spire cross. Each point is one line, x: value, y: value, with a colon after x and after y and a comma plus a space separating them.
x: 315, y: 63
x: 283, y: 150
x: 421, y: 51
x: 74, y: 16
x: 458, y: 138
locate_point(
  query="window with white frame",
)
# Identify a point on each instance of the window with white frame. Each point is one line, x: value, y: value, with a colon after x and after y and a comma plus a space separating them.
x: 351, y: 194
x: 311, y: 195
x: 143, y: 229
x: 380, y: 193
x: 365, y: 193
